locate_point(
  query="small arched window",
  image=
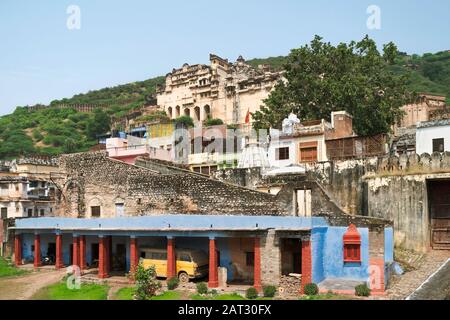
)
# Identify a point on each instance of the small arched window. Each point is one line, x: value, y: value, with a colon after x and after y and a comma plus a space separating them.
x: 352, y: 245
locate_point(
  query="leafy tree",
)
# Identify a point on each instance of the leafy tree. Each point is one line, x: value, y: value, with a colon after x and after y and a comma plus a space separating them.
x: 321, y: 78
x: 100, y: 123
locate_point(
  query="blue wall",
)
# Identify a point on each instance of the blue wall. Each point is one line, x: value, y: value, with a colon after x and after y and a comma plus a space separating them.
x: 331, y: 244
x: 318, y: 236
x: 388, y: 245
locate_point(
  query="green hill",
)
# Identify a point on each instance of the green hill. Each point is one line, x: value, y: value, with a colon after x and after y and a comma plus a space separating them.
x: 54, y: 131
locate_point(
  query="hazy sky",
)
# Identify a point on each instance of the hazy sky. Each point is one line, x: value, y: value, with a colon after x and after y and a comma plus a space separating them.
x: 41, y: 59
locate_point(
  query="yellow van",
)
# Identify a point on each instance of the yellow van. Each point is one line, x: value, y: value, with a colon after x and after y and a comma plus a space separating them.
x: 191, y: 263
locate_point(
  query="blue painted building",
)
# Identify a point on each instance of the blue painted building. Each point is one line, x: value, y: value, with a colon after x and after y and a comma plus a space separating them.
x: 256, y: 250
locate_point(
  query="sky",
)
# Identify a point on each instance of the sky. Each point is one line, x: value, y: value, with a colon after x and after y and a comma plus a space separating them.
x: 45, y: 56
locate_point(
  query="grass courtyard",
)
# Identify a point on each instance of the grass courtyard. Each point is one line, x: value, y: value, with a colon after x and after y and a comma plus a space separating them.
x: 7, y: 269
x: 60, y: 291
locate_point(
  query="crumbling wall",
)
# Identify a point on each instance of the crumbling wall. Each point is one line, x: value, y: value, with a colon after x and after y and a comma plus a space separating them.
x: 403, y: 200
x: 93, y: 179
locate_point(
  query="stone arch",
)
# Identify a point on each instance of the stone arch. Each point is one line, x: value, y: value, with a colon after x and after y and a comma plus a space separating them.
x: 187, y: 112
x: 170, y: 112
x: 177, y: 111
x: 73, y: 194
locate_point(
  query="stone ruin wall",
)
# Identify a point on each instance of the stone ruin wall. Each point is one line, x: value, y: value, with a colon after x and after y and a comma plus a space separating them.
x: 92, y: 179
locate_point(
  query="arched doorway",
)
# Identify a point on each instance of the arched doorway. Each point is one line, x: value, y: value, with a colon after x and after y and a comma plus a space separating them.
x: 177, y: 111
x: 197, y: 113
x: 170, y: 112
x: 207, y: 111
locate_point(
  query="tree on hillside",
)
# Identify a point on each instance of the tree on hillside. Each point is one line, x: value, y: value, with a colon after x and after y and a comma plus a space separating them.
x: 100, y: 123
x: 321, y: 78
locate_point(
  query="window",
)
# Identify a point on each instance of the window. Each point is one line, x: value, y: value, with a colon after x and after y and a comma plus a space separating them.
x: 42, y: 212
x: 33, y: 184
x: 158, y: 256
x: 438, y: 145
x: 352, y: 245
x: 30, y: 213
x: 249, y: 259
x: 120, y: 209
x: 282, y: 153
x: 95, y: 211
x: 303, y: 203
x: 4, y: 213
x: 185, y: 257
x: 308, y: 151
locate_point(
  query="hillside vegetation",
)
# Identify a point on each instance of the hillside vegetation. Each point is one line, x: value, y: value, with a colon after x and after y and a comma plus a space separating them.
x: 54, y: 131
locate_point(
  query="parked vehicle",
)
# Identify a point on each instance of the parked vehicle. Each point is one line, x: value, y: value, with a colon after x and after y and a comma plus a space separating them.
x: 190, y: 263
x: 48, y: 260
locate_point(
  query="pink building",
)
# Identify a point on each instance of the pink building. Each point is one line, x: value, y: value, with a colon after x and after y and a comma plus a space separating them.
x: 119, y: 149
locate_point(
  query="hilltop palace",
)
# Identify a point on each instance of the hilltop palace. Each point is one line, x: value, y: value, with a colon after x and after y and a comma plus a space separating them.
x: 223, y: 90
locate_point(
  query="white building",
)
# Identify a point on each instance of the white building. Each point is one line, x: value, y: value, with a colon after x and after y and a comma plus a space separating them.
x: 433, y: 136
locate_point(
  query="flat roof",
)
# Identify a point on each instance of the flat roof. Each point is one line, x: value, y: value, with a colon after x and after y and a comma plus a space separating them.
x: 175, y: 222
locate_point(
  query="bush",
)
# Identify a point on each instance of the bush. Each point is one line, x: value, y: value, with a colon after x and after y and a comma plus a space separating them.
x: 251, y: 293
x: 269, y: 291
x: 213, y: 122
x: 172, y: 283
x: 185, y: 121
x: 362, y: 290
x: 146, y: 283
x: 311, y: 289
x: 202, y: 288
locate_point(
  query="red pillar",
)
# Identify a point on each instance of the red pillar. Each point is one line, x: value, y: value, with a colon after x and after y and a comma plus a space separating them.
x: 82, y: 242
x: 76, y: 252
x: 171, y: 259
x: 37, y: 251
x: 18, y: 249
x: 134, y: 256
x: 108, y: 246
x: 213, y: 274
x: 257, y: 266
x: 59, y: 259
x: 102, y: 272
x: 306, y: 264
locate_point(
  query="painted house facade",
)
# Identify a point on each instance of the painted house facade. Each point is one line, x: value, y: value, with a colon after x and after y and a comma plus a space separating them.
x: 254, y: 250
x: 259, y: 238
x: 433, y: 136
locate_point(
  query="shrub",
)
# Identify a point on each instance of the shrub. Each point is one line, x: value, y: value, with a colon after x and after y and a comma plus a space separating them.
x: 251, y: 293
x: 172, y: 283
x: 184, y: 121
x: 311, y: 289
x: 269, y: 291
x: 202, y: 288
x: 213, y: 122
x: 214, y: 292
x: 146, y: 283
x: 362, y: 290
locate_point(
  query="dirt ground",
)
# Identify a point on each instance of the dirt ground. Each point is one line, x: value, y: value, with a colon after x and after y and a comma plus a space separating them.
x: 24, y: 287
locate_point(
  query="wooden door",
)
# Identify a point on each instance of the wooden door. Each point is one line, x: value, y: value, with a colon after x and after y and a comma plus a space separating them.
x: 439, y: 197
